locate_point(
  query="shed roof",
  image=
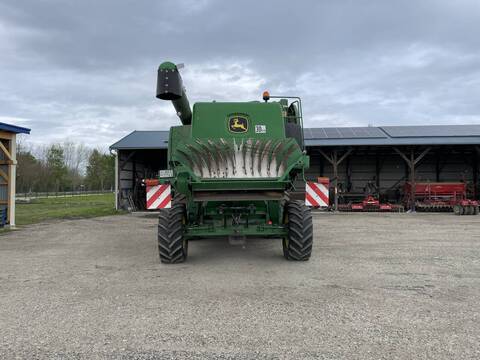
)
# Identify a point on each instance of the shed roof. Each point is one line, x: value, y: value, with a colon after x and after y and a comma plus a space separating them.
x: 155, y: 139
x: 14, y: 128
x: 342, y: 136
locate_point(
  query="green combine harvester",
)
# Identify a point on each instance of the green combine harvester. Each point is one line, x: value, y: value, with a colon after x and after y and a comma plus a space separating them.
x: 232, y: 168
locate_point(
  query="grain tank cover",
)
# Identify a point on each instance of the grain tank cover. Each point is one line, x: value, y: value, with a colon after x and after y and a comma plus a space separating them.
x: 259, y: 120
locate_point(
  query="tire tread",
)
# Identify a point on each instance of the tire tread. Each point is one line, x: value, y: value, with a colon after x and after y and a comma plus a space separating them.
x: 171, y: 247
x: 300, y: 232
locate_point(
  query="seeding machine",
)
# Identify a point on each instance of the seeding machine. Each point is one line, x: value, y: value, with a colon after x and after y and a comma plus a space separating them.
x: 440, y: 197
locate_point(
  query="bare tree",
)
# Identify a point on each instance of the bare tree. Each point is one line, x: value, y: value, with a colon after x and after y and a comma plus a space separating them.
x: 76, y: 156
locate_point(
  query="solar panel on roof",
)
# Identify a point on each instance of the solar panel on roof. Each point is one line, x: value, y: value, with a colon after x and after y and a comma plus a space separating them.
x: 332, y: 133
x: 432, y: 131
x: 360, y: 132
x: 346, y: 133
x: 368, y: 132
x: 316, y: 133
x: 307, y: 133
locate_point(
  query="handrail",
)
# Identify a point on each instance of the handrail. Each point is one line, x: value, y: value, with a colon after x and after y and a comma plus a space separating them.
x: 300, y: 110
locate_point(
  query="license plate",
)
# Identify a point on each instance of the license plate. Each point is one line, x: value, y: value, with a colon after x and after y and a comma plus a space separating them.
x: 165, y: 173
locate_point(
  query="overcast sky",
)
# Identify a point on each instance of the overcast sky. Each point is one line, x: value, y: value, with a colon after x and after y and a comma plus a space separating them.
x: 86, y: 70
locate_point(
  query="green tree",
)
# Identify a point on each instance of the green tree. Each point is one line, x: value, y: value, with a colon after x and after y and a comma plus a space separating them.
x: 28, y: 171
x: 109, y: 168
x: 100, y: 171
x: 56, y: 168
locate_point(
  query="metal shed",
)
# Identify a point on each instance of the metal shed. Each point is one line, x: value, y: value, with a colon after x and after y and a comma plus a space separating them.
x: 8, y: 165
x: 391, y: 155
x: 139, y: 155
x: 350, y: 156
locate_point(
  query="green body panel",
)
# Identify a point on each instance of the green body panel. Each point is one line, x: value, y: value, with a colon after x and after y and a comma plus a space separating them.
x: 261, y: 218
x: 251, y: 230
x: 235, y: 164
x: 210, y: 120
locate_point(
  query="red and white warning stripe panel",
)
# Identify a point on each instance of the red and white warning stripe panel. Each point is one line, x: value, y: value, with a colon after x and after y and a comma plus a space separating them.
x: 159, y: 197
x: 316, y: 194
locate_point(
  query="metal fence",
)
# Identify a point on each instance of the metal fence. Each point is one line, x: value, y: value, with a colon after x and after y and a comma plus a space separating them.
x: 36, y: 195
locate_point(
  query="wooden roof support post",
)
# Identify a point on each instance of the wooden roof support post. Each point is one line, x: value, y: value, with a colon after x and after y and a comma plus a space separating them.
x: 422, y: 155
x: 329, y: 159
x: 335, y: 177
x: 412, y: 179
x: 412, y: 162
x: 338, y: 162
x: 12, y: 170
x: 437, y: 166
x: 7, y: 153
x: 402, y: 155
x: 411, y: 165
x: 4, y: 176
x: 335, y: 161
x: 348, y: 175
x: 377, y: 171
x: 344, y: 156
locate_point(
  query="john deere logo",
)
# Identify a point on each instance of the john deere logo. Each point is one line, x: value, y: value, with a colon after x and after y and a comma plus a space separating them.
x: 238, y: 124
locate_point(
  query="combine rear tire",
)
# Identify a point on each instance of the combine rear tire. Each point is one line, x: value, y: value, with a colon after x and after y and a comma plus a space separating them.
x: 297, y: 245
x: 172, y: 245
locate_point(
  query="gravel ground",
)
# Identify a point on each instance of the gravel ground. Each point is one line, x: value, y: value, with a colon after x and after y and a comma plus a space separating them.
x: 377, y: 286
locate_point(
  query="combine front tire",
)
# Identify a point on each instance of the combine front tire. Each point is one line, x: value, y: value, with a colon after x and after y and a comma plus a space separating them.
x: 297, y: 245
x: 172, y: 245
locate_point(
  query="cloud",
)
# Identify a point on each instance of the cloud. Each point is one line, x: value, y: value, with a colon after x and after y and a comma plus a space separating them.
x: 86, y: 70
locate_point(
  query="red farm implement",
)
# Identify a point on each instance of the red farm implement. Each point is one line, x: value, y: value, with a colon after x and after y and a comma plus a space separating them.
x: 440, y: 197
x: 370, y: 204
